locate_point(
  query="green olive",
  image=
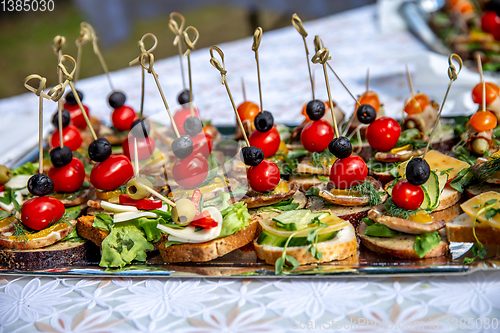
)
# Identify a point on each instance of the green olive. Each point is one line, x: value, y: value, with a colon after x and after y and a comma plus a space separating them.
x: 5, y: 174
x: 184, y: 211
x: 136, y: 190
x: 480, y: 146
x: 410, y: 124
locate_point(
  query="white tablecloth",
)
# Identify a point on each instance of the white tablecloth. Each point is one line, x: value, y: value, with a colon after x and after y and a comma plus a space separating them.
x: 462, y: 303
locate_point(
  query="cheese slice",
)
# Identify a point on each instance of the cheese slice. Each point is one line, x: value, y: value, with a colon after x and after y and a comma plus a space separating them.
x: 117, y: 208
x: 440, y: 162
x: 127, y: 216
x: 472, y: 207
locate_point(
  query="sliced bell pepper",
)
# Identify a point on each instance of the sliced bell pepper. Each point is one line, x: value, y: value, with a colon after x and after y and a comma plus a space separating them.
x: 2, y: 187
x: 204, y: 220
x: 144, y: 204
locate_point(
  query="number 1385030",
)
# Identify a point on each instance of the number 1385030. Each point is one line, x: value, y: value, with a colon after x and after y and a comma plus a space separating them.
x: 27, y: 5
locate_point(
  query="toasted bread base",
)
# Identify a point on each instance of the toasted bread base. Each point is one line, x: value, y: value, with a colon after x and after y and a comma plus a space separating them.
x: 57, y: 255
x: 477, y: 189
x: 460, y: 230
x: 401, y: 246
x: 341, y: 247
x: 352, y: 214
x: 201, y: 252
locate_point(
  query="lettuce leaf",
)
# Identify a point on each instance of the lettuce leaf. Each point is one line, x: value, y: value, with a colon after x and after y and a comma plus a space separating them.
x: 235, y: 218
x: 380, y: 230
x: 103, y: 221
x: 27, y: 168
x: 426, y: 242
x: 125, y: 243
x: 149, y: 226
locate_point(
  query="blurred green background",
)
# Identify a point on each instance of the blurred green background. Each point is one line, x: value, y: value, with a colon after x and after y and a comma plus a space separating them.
x: 26, y: 37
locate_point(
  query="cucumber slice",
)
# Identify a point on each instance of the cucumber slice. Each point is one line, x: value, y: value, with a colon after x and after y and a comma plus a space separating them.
x: 426, y: 204
x: 266, y: 238
x: 293, y: 220
x: 432, y: 187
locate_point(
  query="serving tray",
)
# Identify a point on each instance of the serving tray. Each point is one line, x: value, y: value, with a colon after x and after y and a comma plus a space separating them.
x: 244, y: 262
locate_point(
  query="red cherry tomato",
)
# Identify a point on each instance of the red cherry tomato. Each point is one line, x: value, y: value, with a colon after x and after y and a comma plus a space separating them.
x: 68, y: 178
x: 2, y: 187
x: 180, y: 117
x: 349, y: 171
x: 190, y: 171
x: 370, y: 98
x: 492, y: 91
x: 77, y: 118
x: 416, y: 103
x: 38, y: 213
x: 248, y: 110
x: 316, y: 135
x: 383, y: 133
x: 145, y: 147
x: 112, y: 173
x: 407, y: 196
x: 71, y: 138
x: 202, y: 144
x: 268, y: 141
x: 490, y: 21
x: 123, y: 117
x: 483, y: 121
x: 264, y: 177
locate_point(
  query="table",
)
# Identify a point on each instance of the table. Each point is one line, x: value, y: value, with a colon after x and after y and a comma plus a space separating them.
x: 29, y: 304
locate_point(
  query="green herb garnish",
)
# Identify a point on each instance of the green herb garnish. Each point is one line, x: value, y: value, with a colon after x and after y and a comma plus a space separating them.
x: 323, y: 159
x: 396, y: 211
x: 367, y: 188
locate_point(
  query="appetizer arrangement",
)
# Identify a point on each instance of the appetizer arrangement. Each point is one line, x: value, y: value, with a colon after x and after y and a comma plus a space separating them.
x: 322, y: 192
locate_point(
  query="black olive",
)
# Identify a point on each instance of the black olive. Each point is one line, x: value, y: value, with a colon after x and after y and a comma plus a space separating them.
x: 264, y: 121
x: 184, y: 97
x: 182, y: 146
x: 70, y: 98
x: 366, y: 114
x: 418, y: 171
x: 40, y: 184
x: 99, y: 150
x: 315, y: 109
x: 340, y: 147
x: 252, y: 155
x: 141, y: 128
x: 116, y: 99
x: 66, y: 118
x: 193, y: 126
x: 61, y: 156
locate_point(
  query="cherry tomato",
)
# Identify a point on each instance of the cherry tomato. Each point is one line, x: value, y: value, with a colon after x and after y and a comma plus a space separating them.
x: 190, y: 171
x: 416, y: 103
x: 268, y: 141
x: 464, y: 7
x: 349, y: 171
x: 77, y: 118
x: 145, y: 147
x: 112, y: 173
x: 264, y: 177
x: 316, y: 135
x: 492, y: 91
x: 490, y: 21
x: 68, y: 178
x: 180, y: 117
x: 71, y: 138
x: 123, y: 117
x: 383, y: 133
x: 407, y: 196
x: 2, y: 187
x: 483, y: 121
x: 370, y: 98
x: 248, y: 110
x: 40, y: 212
x: 304, y: 111
x: 202, y: 144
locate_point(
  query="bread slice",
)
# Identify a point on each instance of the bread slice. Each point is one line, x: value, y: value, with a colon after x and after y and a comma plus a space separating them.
x: 305, y: 181
x: 460, y: 230
x: 341, y: 247
x: 201, y: 252
x: 401, y: 246
x: 477, y: 189
x: 448, y: 198
x: 58, y: 255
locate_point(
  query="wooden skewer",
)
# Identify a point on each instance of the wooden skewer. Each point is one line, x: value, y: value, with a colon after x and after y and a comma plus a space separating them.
x: 177, y: 30
x: 257, y: 36
x: 452, y: 74
x: 136, y: 159
x: 223, y: 72
x: 480, y: 69
x: 297, y: 23
x: 159, y: 196
x: 190, y: 46
x: 57, y: 45
x: 410, y: 83
x: 368, y: 80
x: 243, y: 89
